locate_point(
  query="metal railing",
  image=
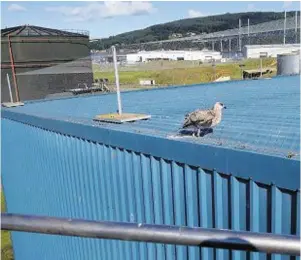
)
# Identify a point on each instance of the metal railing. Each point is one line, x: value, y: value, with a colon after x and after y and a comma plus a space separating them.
x: 77, y: 31
x: 215, y: 238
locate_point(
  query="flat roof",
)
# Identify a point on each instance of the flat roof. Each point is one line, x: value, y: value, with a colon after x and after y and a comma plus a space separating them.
x: 262, y: 116
x: 295, y: 45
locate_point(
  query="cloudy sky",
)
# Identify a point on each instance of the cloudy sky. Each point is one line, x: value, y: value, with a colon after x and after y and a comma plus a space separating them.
x: 105, y: 19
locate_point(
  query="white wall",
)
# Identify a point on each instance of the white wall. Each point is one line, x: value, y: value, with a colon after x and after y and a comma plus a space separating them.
x: 133, y: 57
x: 253, y: 51
x: 173, y: 55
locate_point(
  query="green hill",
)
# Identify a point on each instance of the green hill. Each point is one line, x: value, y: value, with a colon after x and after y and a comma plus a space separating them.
x: 193, y: 25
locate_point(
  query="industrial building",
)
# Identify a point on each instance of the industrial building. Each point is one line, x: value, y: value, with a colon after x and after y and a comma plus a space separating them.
x: 58, y: 161
x: 144, y: 56
x: 31, y: 48
x: 255, y: 51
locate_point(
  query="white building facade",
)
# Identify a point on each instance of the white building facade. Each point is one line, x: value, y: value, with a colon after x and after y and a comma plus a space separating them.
x: 255, y: 51
x: 144, y: 56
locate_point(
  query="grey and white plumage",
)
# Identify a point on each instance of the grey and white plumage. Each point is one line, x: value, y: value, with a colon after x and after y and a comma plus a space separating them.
x: 204, y: 119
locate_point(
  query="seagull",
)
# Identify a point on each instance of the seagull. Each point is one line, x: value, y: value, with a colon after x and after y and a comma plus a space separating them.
x: 204, y: 119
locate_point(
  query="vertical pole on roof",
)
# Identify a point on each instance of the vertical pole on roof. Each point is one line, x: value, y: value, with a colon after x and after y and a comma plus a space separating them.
x: 296, y: 27
x: 117, y: 80
x: 9, y: 88
x: 248, y: 31
x: 284, y: 28
x: 239, y: 36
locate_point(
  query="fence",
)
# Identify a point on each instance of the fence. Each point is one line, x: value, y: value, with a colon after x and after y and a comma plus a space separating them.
x: 215, y: 238
x: 286, y: 30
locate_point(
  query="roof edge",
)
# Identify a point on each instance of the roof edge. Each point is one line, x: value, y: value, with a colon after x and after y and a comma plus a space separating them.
x: 267, y: 169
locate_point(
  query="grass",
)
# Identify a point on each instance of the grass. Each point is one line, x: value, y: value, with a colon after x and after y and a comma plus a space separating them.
x: 6, y: 246
x: 178, y: 73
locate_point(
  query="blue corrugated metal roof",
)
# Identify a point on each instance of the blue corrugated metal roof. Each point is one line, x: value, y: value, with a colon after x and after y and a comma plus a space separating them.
x: 262, y: 115
x: 66, y: 176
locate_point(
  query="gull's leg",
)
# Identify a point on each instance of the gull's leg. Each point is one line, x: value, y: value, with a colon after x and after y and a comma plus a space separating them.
x: 194, y: 133
x: 199, y: 132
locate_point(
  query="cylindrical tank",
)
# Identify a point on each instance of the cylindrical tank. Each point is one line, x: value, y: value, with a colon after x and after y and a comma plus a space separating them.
x: 288, y: 64
x: 35, y: 48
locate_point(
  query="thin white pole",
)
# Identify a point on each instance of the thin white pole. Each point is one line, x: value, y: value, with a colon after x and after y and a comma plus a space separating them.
x: 284, y: 28
x: 248, y: 31
x: 239, y: 32
x: 296, y: 26
x: 9, y: 88
x: 117, y: 80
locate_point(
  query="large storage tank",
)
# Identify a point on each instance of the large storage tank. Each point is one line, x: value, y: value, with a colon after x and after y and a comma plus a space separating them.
x: 288, y: 64
x: 57, y: 161
x: 32, y: 48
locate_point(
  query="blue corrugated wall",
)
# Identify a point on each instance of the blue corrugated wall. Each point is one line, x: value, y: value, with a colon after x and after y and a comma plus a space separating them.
x: 47, y: 173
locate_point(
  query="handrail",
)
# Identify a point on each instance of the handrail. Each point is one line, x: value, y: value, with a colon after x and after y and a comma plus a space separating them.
x: 216, y: 238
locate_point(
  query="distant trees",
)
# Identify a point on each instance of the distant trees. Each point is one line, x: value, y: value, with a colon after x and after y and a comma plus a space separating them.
x: 193, y: 25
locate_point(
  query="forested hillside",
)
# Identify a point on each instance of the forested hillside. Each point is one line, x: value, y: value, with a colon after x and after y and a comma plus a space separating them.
x: 186, y: 27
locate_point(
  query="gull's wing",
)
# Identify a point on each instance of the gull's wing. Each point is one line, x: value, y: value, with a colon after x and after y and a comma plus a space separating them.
x: 200, y: 118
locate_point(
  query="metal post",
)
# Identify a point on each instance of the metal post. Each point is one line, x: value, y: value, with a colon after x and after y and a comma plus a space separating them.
x: 221, y: 45
x: 296, y: 27
x: 12, y: 63
x: 230, y: 45
x: 241, y: 70
x: 9, y: 89
x: 284, y: 28
x: 177, y: 235
x: 248, y: 31
x: 239, y: 34
x: 261, y: 56
x: 117, y: 80
x: 212, y: 45
x: 261, y: 67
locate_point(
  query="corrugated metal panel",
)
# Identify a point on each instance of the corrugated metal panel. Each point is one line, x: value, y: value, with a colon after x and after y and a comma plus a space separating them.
x: 254, y: 138
x: 262, y: 115
x: 31, y: 30
x: 47, y: 173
